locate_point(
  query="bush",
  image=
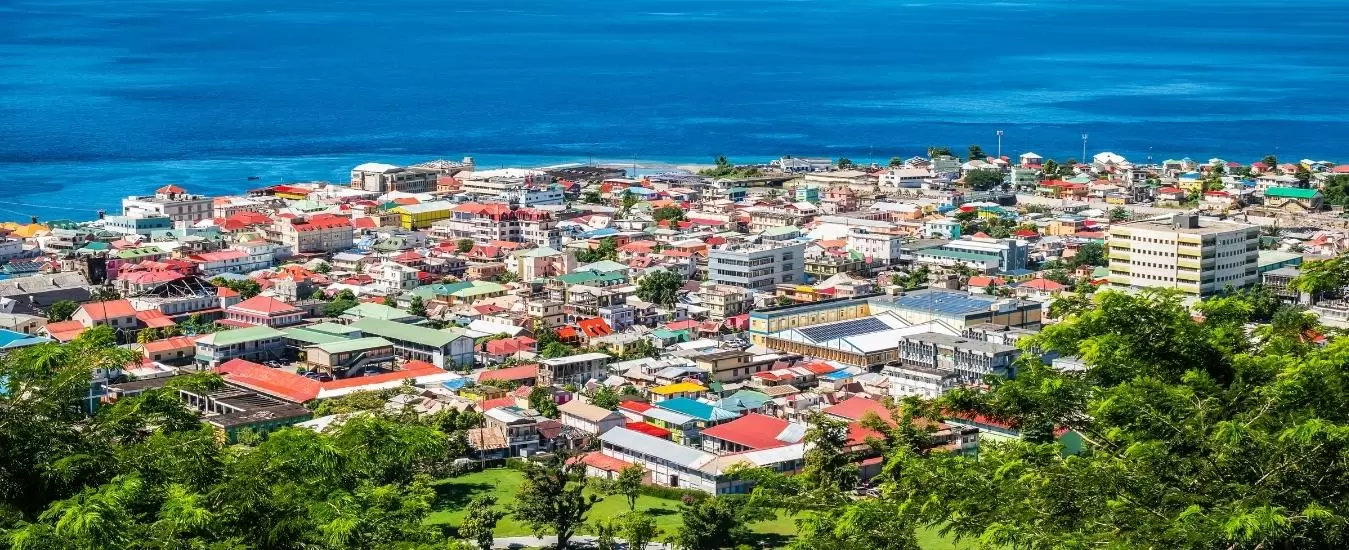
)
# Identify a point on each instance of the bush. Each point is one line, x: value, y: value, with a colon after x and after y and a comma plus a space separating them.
x: 672, y: 493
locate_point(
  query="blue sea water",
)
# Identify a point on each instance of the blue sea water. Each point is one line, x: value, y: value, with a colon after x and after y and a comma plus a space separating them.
x: 100, y: 99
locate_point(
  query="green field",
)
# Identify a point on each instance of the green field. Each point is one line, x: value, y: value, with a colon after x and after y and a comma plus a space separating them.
x: 455, y: 493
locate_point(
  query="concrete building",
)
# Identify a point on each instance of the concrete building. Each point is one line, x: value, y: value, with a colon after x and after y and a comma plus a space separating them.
x: 1002, y: 255
x: 384, y: 178
x: 1196, y: 256
x: 137, y: 225
x: 573, y: 369
x: 757, y: 266
x: 258, y: 343
x: 589, y: 418
x: 957, y: 309
x: 881, y: 247
x: 442, y: 348
x: 171, y: 201
x: 723, y: 301
x: 969, y: 359
x: 317, y: 234
x: 502, y: 182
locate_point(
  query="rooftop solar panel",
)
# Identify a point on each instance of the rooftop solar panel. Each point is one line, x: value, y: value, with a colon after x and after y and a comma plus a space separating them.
x: 844, y: 329
x: 943, y: 302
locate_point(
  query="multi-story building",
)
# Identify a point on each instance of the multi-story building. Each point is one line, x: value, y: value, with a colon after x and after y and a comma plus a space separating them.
x: 500, y: 183
x: 724, y: 301
x: 536, y: 195
x: 258, y: 343
x: 383, y: 178
x: 170, y: 201
x: 880, y: 247
x: 319, y: 233
x: 1183, y: 252
x: 1004, y: 255
x: 970, y: 359
x: 423, y: 215
x: 573, y: 369
x: 538, y: 227
x: 757, y: 266
x: 230, y: 260
x: 137, y: 225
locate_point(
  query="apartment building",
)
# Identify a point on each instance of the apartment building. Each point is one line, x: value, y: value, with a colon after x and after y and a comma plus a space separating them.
x: 757, y: 266
x: 1003, y: 255
x: 723, y: 301
x: 573, y: 369
x: 881, y: 247
x: 969, y: 359
x: 384, y: 178
x: 170, y: 201
x: 1195, y: 256
x: 316, y: 234
x: 502, y: 182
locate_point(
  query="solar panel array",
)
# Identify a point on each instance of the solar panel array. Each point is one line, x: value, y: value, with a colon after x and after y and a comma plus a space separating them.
x: 843, y: 329
x: 943, y: 302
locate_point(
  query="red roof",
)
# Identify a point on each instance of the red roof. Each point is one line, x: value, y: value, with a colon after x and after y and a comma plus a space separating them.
x: 601, y: 461
x: 567, y: 333
x: 634, y: 406
x: 687, y: 324
x: 753, y: 430
x: 1042, y: 284
x: 594, y: 327
x: 1025, y: 233
x: 981, y: 281
x: 286, y: 385
x: 854, y: 408
x: 265, y: 305
x: 225, y: 292
x: 498, y: 402
x: 522, y: 372
x: 648, y: 429
x: 408, y: 372
x: 1341, y: 169
x: 858, y: 434
x: 1169, y: 190
x: 363, y: 223
x: 220, y: 256
x: 169, y: 344
x: 169, y: 189
x: 149, y: 277
x: 65, y: 331
x: 819, y: 368
x: 154, y: 318
x: 112, y: 309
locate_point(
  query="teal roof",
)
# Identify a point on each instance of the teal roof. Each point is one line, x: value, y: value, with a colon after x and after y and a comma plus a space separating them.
x: 96, y: 245
x: 697, y: 409
x: 667, y: 334
x: 331, y: 328
x: 1292, y: 193
x: 591, y: 277
x: 744, y: 400
x: 308, y: 336
x: 440, y: 289
x: 369, y: 310
x: 241, y: 335
x: 603, y: 266
x: 958, y: 255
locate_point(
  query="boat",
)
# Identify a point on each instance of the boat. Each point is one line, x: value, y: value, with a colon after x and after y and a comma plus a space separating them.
x: 254, y: 178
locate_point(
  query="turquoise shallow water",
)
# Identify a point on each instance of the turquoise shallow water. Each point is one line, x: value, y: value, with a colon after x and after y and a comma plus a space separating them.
x: 102, y: 99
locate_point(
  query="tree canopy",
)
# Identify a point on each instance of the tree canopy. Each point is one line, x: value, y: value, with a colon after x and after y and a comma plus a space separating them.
x: 660, y: 287
x: 983, y: 180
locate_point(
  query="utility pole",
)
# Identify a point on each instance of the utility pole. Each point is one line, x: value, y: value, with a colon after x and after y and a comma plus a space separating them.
x: 1084, y: 148
x: 999, y: 143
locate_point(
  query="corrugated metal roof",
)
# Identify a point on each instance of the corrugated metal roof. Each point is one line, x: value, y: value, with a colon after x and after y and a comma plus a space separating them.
x: 655, y: 446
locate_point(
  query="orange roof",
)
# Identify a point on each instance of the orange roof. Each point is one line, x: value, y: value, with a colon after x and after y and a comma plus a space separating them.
x: 169, y: 344
x: 594, y: 327
x: 287, y: 385
x: 1042, y: 284
x: 522, y: 372
x: 854, y: 408
x: 112, y: 309
x: 65, y: 331
x: 406, y: 201
x: 154, y: 318
x: 225, y: 292
x: 170, y: 188
x: 604, y: 462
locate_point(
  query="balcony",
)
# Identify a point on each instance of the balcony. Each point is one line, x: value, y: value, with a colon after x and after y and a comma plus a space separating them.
x: 1121, y: 279
x: 1192, y: 264
x: 1120, y: 256
x: 1184, y: 276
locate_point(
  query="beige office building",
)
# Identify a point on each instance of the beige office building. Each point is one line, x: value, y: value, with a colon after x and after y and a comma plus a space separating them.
x: 1196, y: 256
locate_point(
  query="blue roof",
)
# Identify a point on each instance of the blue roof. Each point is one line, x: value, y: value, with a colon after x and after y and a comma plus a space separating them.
x: 838, y: 375
x: 454, y: 384
x: 939, y: 301
x: 10, y: 339
x: 744, y: 400
x: 697, y: 409
x: 602, y: 232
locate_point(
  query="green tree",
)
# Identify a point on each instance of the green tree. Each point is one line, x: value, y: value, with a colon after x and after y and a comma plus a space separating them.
x: 507, y: 277
x: 983, y: 180
x: 464, y: 245
x: 638, y: 529
x: 416, y: 306
x: 660, y: 287
x: 846, y: 164
x: 938, y: 151
x: 480, y: 521
x: 61, y: 310
x: 605, y: 398
x: 541, y: 400
x: 1270, y: 161
x: 1319, y: 277
x: 247, y: 288
x: 1050, y: 169
x: 1091, y: 253
x: 629, y: 484
x: 1119, y: 214
x: 592, y: 197
x: 552, y: 497
x: 977, y: 153
x: 896, y: 162
x: 323, y: 268
x: 147, y: 335
x: 553, y: 350
x: 628, y: 200
x: 1303, y: 175
x: 105, y: 293
x: 607, y: 249
x: 784, y: 301
x: 711, y: 523
x: 606, y: 534
x: 390, y: 300
x: 673, y: 213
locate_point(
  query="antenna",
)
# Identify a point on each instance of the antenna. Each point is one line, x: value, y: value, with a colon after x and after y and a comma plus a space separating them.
x: 1084, y: 148
x: 999, y: 143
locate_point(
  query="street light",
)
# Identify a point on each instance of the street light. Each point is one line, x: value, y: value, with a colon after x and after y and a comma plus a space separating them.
x: 999, y: 143
x: 1084, y: 148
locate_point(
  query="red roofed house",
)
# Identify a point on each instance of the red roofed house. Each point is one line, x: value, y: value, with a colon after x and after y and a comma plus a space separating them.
x: 594, y: 328
x: 317, y: 234
x: 64, y: 331
x: 292, y: 387
x: 525, y: 375
x: 118, y: 314
x: 751, y: 432
x: 506, y: 347
x: 265, y: 311
x: 173, y: 350
x: 855, y: 408
x: 1039, y: 288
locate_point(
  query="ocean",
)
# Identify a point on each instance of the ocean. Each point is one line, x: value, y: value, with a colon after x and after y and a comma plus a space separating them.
x: 101, y: 99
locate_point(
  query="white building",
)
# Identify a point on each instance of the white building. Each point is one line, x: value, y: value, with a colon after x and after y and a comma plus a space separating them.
x: 670, y: 464
x: 907, y: 178
x: 589, y: 418
x: 171, y: 201
x: 884, y: 247
x: 384, y: 178
x: 1184, y: 252
x: 757, y: 266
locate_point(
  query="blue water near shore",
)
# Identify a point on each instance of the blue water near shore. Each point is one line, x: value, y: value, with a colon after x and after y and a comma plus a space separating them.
x: 99, y: 99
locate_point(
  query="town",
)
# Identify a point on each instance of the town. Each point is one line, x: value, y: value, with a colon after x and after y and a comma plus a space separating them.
x: 689, y: 325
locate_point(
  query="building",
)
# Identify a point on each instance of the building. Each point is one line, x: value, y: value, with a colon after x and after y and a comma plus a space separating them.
x: 169, y: 201
x: 724, y: 301
x: 1003, y: 255
x: 349, y: 355
x: 734, y: 365
x: 137, y: 225
x: 263, y: 311
x: 1199, y: 257
x: 502, y: 182
x: 442, y: 348
x: 385, y: 178
x: 316, y: 234
x: 258, y: 343
x: 423, y: 215
x: 589, y: 418
x: 752, y: 432
x: 573, y: 369
x: 231, y: 260
x: 764, y: 321
x: 880, y: 247
x: 757, y: 266
x: 1293, y: 199
x: 957, y: 309
x: 969, y: 359
x: 670, y: 464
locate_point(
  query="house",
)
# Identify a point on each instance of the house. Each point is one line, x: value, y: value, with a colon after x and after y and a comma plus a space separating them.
x: 1292, y: 199
x: 116, y: 314
x: 524, y: 375
x: 349, y: 355
x: 752, y: 432
x: 677, y: 390
x: 259, y: 343
x: 263, y: 310
x: 589, y: 418
x: 670, y: 464
x: 175, y: 350
x: 442, y: 348
x: 573, y: 369
x: 1039, y: 288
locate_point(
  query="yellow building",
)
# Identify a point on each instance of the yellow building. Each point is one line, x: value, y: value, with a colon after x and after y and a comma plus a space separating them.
x: 678, y: 389
x: 765, y: 321
x: 421, y: 216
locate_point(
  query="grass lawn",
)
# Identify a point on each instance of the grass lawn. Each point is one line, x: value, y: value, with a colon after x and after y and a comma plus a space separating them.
x: 455, y: 493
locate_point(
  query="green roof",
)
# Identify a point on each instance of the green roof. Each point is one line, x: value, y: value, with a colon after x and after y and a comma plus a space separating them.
x: 331, y: 328
x: 96, y: 245
x: 370, y: 310
x: 604, y: 266
x: 440, y: 289
x: 139, y: 252
x: 537, y: 252
x: 241, y: 335
x: 308, y: 336
x: 359, y: 344
x: 667, y: 334
x: 1292, y: 193
x: 478, y: 288
x: 402, y: 331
